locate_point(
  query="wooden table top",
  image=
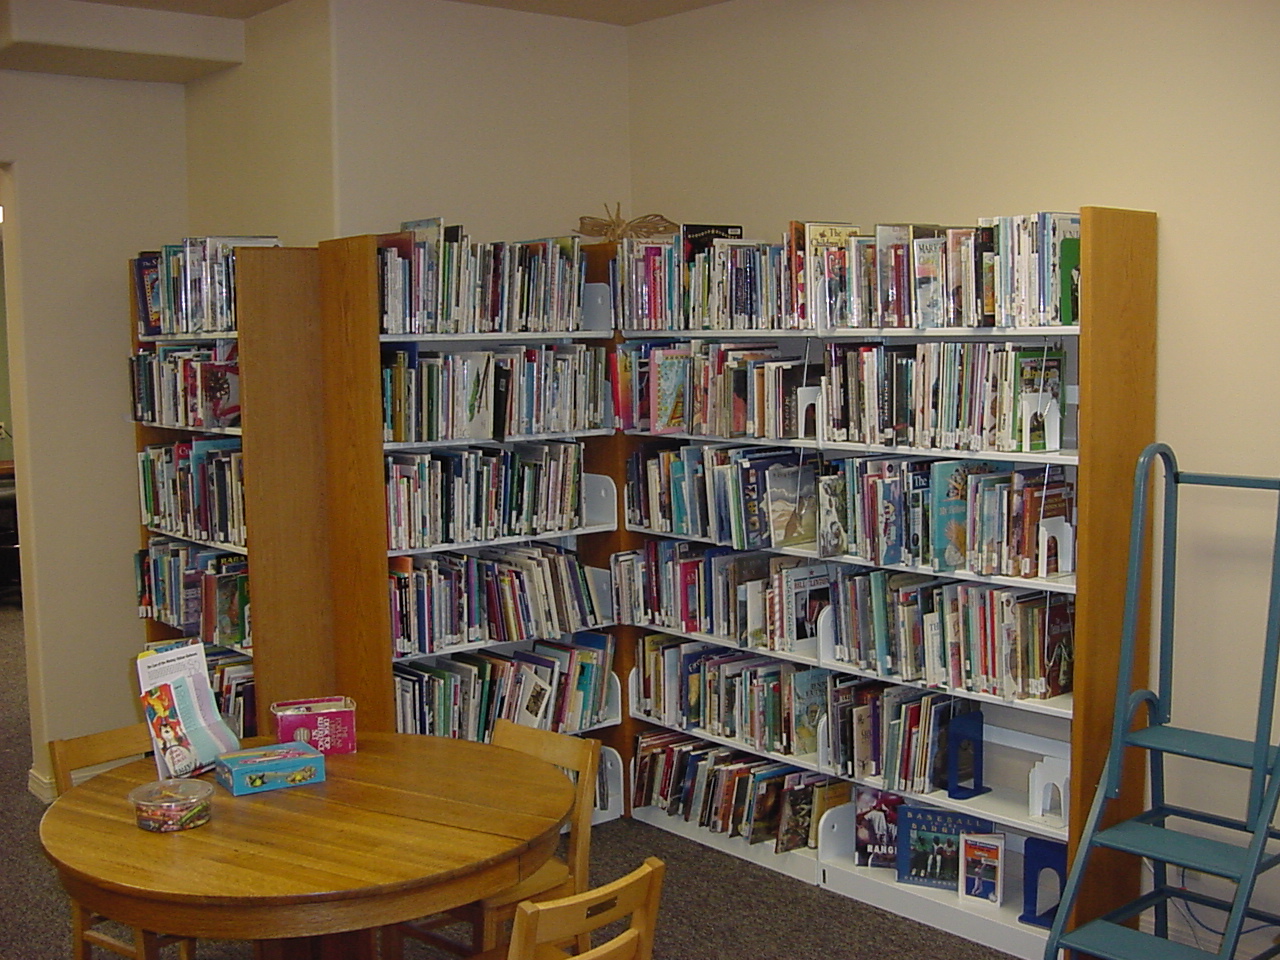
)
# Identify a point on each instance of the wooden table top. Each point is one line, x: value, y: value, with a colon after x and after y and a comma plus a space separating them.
x: 406, y: 826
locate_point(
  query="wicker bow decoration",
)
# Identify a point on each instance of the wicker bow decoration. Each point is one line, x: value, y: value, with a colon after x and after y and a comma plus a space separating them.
x: 613, y: 227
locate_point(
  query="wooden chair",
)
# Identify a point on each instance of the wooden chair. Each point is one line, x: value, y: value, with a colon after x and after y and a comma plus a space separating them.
x: 87, y: 751
x: 540, y: 926
x: 488, y: 918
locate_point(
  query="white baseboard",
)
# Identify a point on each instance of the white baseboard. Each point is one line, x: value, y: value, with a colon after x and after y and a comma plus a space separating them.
x: 41, y: 786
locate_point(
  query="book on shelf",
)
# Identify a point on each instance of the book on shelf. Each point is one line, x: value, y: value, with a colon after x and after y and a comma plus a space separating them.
x: 1041, y: 399
x: 929, y: 845
x: 806, y: 797
x: 877, y: 825
x: 146, y: 293
x: 188, y: 288
x: 949, y: 523
x: 820, y: 272
x: 982, y: 867
x: 699, y: 252
x: 669, y: 391
x: 791, y: 499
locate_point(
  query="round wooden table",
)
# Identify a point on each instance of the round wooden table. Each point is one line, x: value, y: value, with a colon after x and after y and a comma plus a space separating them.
x: 404, y: 827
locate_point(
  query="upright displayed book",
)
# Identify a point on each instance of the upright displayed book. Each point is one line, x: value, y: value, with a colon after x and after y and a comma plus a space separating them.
x: 929, y: 845
x: 982, y: 867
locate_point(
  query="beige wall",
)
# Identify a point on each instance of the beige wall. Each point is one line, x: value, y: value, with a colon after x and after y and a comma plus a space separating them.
x: 756, y: 112
x: 512, y: 124
x: 96, y: 173
x: 260, y: 136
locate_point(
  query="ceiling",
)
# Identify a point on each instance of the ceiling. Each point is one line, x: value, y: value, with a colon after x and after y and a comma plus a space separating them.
x: 620, y: 12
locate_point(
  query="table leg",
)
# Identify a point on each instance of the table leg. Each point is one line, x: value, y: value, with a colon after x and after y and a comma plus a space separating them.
x: 354, y: 945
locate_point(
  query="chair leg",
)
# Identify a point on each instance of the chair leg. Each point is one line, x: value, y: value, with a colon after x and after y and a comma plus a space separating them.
x: 488, y: 931
x: 187, y: 949
x: 147, y: 944
x: 80, y: 921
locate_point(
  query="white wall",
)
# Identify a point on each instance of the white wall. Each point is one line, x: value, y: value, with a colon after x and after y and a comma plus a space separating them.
x: 512, y: 124
x: 757, y: 112
x: 96, y: 173
x: 260, y: 136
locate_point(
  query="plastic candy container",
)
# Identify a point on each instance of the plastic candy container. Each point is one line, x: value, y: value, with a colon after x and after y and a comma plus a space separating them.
x: 164, y: 806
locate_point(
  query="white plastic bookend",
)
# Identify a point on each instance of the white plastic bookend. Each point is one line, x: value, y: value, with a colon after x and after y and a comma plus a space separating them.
x: 1047, y: 790
x: 1057, y: 547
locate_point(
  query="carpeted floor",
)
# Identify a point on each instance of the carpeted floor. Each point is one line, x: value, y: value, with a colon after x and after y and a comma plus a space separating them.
x: 715, y: 907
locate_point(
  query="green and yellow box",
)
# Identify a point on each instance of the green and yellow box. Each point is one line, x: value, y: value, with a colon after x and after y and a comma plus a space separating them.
x: 270, y: 767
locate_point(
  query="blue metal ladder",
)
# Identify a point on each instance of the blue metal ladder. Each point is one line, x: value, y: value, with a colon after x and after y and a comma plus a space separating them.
x: 1152, y: 834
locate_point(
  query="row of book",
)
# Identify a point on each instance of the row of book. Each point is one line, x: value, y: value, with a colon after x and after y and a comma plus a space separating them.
x: 1008, y: 642
x: 492, y: 394
x: 1003, y: 397
x: 188, y: 288
x: 192, y: 386
x: 747, y: 598
x: 1004, y: 641
x: 1014, y: 271
x: 435, y: 279
x: 736, y: 794
x: 930, y: 847
x: 913, y: 739
x: 473, y: 494
x: 731, y: 792
x: 554, y: 685
x: 761, y: 702
x: 231, y: 678
x: 494, y: 595
x: 977, y: 395
x: 194, y: 489
x: 202, y: 591
x: 983, y: 517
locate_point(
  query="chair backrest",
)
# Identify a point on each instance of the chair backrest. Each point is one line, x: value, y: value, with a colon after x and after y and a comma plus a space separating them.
x: 70, y: 755
x: 581, y: 756
x: 556, y: 921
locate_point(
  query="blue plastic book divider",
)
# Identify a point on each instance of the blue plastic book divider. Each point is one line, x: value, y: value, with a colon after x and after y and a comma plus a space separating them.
x: 964, y: 756
x: 1040, y: 854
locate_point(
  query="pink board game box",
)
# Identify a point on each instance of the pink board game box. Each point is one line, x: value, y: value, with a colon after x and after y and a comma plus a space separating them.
x: 327, y: 723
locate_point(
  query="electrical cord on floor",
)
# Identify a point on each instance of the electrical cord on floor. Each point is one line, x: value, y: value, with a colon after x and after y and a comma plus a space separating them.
x: 1184, y: 908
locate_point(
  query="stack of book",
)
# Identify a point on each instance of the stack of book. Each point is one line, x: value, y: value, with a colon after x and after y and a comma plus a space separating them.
x: 493, y: 595
x: 1010, y: 271
x: 555, y: 685
x: 188, y: 288
x: 436, y: 280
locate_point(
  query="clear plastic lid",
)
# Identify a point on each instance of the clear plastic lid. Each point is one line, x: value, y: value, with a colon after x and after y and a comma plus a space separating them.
x: 171, y: 793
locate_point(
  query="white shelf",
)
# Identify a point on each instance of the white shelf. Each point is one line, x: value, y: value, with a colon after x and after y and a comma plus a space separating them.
x: 1003, y: 805
x: 185, y: 428
x: 397, y: 445
x: 832, y: 867
x: 992, y: 926
x: 236, y: 548
x: 799, y: 864
x: 859, y: 333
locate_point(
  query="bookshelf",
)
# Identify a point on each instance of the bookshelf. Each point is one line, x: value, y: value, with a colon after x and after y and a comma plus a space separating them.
x: 316, y: 509
x: 1112, y: 353
x: 277, y: 304
x: 353, y: 351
